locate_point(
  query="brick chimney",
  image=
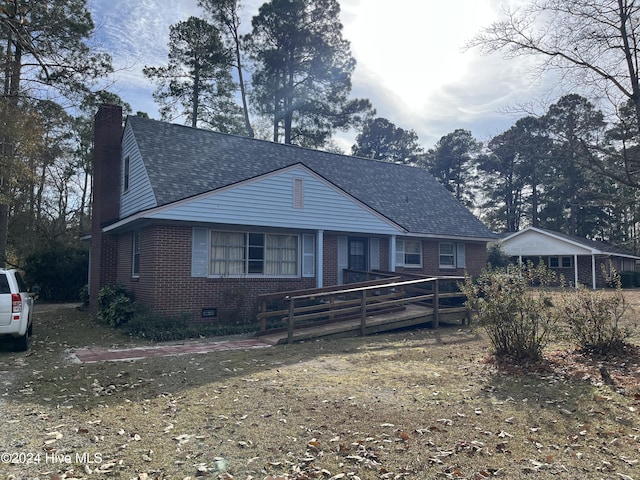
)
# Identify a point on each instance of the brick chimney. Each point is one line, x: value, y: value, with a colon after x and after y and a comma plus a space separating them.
x: 107, y: 135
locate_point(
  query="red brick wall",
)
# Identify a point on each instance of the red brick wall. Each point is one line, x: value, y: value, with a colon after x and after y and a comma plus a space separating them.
x: 585, y: 274
x: 475, y: 259
x: 165, y: 280
x: 330, y: 261
x: 384, y: 254
x: 106, y: 196
x: 584, y: 271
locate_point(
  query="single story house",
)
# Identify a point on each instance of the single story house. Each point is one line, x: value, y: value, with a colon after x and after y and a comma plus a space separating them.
x: 196, y: 221
x: 588, y: 261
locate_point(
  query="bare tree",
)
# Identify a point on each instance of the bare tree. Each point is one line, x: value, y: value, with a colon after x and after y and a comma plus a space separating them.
x: 595, y: 42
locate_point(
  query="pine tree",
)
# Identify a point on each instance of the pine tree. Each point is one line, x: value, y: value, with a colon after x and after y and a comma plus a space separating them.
x: 196, y: 83
x: 303, y: 71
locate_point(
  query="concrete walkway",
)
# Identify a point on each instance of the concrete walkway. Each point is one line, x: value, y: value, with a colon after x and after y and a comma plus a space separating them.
x: 93, y: 355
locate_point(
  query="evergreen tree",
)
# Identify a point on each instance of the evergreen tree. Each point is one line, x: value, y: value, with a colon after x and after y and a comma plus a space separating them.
x: 453, y: 162
x: 303, y: 68
x: 225, y: 16
x: 197, y: 83
x: 48, y: 38
x: 574, y: 125
x: 382, y: 140
x: 512, y: 175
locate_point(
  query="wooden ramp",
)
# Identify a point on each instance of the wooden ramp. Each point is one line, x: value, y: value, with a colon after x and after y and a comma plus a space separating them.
x: 357, y: 309
x: 413, y: 315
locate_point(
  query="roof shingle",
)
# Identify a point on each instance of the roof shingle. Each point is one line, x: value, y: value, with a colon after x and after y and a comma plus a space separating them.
x: 182, y: 162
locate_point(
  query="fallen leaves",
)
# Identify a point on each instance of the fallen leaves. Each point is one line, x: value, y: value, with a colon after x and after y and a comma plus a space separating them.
x: 387, y: 407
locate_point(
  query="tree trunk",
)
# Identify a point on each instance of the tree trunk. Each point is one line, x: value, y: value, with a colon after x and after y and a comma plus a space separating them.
x: 11, y: 90
x: 534, y: 207
x: 243, y: 90
x: 630, y: 57
x: 276, y: 112
x: 4, y: 230
x: 196, y: 96
x: 288, y: 100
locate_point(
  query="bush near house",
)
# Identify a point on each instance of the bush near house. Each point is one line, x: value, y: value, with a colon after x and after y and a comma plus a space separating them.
x: 630, y: 279
x: 521, y: 320
x: 516, y: 317
x: 118, y: 309
x: 497, y: 257
x: 594, y: 319
x: 116, y: 306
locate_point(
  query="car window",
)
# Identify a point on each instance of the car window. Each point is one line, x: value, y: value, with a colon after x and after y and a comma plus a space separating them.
x: 4, y: 284
x: 21, y: 285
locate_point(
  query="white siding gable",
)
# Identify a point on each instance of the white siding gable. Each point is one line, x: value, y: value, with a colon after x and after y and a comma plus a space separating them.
x: 140, y: 194
x: 531, y: 243
x: 272, y: 200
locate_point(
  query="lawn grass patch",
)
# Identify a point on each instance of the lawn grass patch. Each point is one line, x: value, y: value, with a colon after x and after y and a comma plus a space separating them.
x: 416, y: 404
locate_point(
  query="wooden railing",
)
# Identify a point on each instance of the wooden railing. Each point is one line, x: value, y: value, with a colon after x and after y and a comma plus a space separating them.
x: 356, y: 276
x: 357, y: 300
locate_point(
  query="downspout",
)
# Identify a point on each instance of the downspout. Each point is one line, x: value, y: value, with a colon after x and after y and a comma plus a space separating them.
x: 576, y: 280
x: 593, y: 270
x: 320, y: 258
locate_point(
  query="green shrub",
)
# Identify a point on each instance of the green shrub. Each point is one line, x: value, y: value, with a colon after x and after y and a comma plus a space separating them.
x: 45, y: 269
x: 157, y: 327
x: 627, y: 279
x: 115, y: 305
x: 517, y: 318
x: 594, y: 319
x: 497, y: 257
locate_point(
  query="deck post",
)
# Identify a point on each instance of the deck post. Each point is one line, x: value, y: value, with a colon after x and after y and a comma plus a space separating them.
x: 263, y: 310
x: 436, y: 304
x: 363, y: 313
x: 290, y: 322
x: 332, y: 301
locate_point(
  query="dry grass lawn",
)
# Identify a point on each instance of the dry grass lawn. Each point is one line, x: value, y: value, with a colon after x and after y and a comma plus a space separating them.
x: 419, y: 404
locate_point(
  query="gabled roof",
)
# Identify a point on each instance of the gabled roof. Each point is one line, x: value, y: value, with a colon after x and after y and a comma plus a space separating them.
x: 182, y: 162
x: 594, y: 247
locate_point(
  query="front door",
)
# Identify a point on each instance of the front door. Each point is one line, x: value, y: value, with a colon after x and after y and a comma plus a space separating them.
x: 358, y: 253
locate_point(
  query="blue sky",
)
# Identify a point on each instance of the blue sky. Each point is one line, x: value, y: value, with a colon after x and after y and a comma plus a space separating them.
x: 410, y: 61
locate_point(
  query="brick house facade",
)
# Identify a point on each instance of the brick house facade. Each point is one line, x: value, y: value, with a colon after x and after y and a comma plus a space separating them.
x: 202, y: 223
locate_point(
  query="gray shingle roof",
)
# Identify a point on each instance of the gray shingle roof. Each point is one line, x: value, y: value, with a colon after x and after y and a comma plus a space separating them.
x: 593, y: 244
x: 182, y: 162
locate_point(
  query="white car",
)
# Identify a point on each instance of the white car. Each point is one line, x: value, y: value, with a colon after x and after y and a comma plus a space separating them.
x: 16, y: 308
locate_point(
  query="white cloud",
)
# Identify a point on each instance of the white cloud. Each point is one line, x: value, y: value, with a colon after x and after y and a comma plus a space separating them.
x: 412, y: 65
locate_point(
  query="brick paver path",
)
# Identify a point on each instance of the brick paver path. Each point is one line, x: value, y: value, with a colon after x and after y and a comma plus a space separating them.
x: 92, y: 355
